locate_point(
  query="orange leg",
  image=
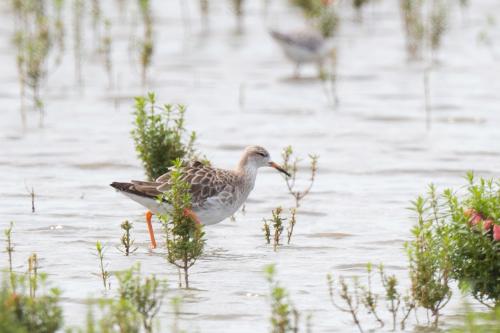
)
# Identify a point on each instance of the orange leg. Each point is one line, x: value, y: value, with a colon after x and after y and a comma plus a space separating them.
x: 150, y: 229
x: 191, y: 214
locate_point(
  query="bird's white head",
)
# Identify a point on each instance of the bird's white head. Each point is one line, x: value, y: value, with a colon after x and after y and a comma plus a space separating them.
x: 255, y: 157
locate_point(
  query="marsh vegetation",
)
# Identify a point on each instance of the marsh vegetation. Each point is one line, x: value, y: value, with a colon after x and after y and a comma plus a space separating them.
x: 70, y: 72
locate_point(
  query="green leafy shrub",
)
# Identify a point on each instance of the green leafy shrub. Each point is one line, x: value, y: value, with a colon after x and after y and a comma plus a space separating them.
x: 145, y: 296
x: 462, y: 231
x: 322, y: 14
x: 428, y: 255
x: 184, y: 236
x: 21, y: 312
x: 284, y: 316
x: 475, y: 254
x: 132, y: 310
x: 159, y: 135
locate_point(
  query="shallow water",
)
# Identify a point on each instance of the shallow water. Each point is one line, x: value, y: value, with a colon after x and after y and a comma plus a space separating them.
x: 375, y: 154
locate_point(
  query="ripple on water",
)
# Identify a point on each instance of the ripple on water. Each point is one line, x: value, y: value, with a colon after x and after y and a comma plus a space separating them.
x: 102, y: 166
x: 332, y: 235
x: 227, y: 316
x: 460, y: 120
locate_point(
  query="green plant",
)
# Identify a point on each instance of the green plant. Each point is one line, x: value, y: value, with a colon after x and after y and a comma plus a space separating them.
x: 59, y: 29
x: 429, y: 256
x: 238, y: 9
x: 184, y: 236
x: 351, y: 299
x: 472, y: 220
x: 309, y: 7
x: 205, y: 10
x: 328, y: 21
x: 485, y: 35
x: 126, y: 241
x: 368, y: 298
x: 277, y: 222
x: 284, y: 317
x: 104, y: 274
x: 425, y: 23
x: 392, y: 295
x: 358, y: 4
x: 33, y: 40
x: 479, y: 322
x: 96, y: 17
x: 136, y: 305
x: 176, y: 303
x: 322, y: 15
x: 438, y: 18
x: 159, y: 135
x: 408, y: 305
x: 105, y: 51
x: 267, y: 231
x: 456, y: 238
x: 292, y: 167
x: 31, y: 192
x: 291, y: 224
x: 33, y: 274
x: 23, y: 311
x: 146, y: 44
x: 9, y: 248
x: 413, y: 21
x: 117, y: 315
x: 78, y: 16
x: 145, y: 296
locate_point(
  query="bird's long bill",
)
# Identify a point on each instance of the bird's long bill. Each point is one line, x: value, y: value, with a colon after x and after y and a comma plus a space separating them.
x: 280, y: 169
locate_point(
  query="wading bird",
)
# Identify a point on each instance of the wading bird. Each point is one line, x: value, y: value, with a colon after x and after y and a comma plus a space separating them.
x: 304, y: 47
x: 215, y: 193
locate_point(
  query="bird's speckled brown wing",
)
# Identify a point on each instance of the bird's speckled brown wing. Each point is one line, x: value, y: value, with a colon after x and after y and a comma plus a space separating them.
x: 206, y: 182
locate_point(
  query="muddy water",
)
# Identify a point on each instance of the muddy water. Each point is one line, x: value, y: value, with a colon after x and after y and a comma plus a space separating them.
x: 376, y: 154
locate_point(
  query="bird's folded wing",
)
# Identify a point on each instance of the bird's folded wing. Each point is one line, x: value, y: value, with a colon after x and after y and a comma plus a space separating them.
x: 146, y: 188
x: 204, y: 181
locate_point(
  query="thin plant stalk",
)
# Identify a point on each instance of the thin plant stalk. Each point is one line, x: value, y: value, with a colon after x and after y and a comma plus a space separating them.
x: 292, y: 168
x: 427, y: 98
x: 267, y: 231
x: 33, y: 274
x: 31, y: 193
x: 176, y: 303
x: 291, y: 224
x: 368, y: 298
x: 78, y: 15
x: 10, y: 249
x: 126, y: 241
x: 104, y: 274
x: 351, y: 300
x: 105, y: 50
x: 391, y: 294
x: 408, y: 307
x: 277, y: 222
x: 146, y: 45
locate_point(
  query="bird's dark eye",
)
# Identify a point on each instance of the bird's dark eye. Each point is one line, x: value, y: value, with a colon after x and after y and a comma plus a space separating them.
x: 261, y: 154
